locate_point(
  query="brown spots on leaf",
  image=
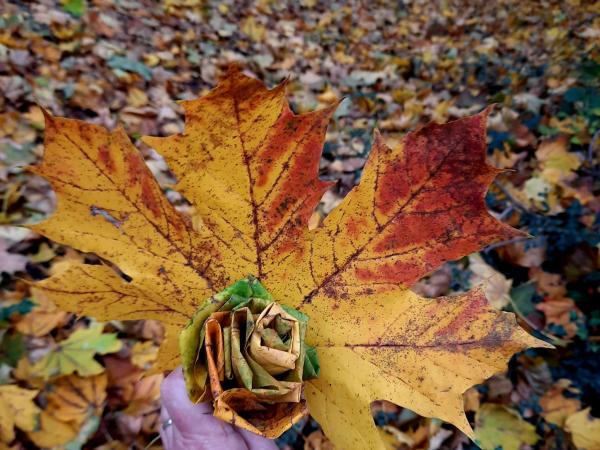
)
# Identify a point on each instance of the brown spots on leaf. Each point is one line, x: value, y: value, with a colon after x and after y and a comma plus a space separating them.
x: 150, y: 197
x: 395, y: 272
x: 105, y: 158
x: 136, y: 168
x: 290, y: 246
x: 85, y: 131
x: 355, y: 226
x: 331, y: 291
x: 469, y: 314
x: 138, y: 174
x: 215, y: 140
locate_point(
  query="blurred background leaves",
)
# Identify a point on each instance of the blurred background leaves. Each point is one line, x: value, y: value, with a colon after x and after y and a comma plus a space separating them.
x: 397, y: 65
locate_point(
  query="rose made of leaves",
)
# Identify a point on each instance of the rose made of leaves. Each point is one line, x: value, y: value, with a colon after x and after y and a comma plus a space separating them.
x: 249, y: 167
x: 247, y: 354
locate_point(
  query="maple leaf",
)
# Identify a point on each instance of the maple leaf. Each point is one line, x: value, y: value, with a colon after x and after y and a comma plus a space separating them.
x: 51, y: 432
x: 16, y: 410
x: 145, y: 394
x: 44, y: 317
x: 250, y: 166
x: 502, y: 427
x: 76, y: 353
x: 585, y: 429
x: 74, y: 398
x: 143, y: 354
x: 132, y: 392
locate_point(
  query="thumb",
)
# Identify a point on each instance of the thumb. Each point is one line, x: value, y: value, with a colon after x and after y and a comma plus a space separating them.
x: 195, y: 423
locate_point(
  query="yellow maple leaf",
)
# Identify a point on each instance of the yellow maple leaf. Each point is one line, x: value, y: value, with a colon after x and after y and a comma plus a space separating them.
x: 585, y: 429
x: 555, y: 406
x: 250, y: 167
x: 73, y: 398
x: 143, y: 354
x: 556, y: 162
x: 51, y: 432
x: 44, y: 317
x: 502, y: 427
x: 16, y: 410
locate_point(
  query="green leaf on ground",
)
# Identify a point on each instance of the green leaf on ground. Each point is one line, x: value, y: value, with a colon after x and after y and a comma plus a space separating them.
x: 76, y: 353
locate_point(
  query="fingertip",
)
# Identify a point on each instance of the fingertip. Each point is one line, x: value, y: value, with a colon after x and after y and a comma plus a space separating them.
x: 173, y: 382
x: 175, y: 399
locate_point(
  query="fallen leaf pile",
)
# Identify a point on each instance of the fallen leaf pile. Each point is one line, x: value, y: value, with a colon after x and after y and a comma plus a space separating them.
x: 78, y: 380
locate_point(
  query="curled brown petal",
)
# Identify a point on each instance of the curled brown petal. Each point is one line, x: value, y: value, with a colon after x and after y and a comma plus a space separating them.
x: 214, y: 356
x: 273, y: 360
x: 242, y: 408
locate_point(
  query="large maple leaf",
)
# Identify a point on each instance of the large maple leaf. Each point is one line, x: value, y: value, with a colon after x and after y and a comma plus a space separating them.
x: 249, y: 166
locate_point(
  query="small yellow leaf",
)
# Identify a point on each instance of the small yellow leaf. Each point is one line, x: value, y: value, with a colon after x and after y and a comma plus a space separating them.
x: 498, y: 426
x: 537, y: 189
x: 555, y: 406
x: 16, y: 410
x: 44, y: 317
x: 24, y: 372
x: 585, y: 430
x: 143, y: 354
x: 253, y: 29
x: 76, y: 353
x: 51, y: 432
x: 35, y: 116
x: 542, y: 194
x: 557, y: 163
x: 136, y: 97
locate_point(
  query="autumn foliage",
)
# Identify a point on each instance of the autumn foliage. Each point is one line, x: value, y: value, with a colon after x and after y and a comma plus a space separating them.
x: 249, y: 167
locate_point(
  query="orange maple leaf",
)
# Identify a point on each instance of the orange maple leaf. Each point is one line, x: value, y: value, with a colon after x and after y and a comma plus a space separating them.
x: 249, y: 166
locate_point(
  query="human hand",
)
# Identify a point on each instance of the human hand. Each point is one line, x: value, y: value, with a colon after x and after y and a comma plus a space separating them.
x: 193, y: 427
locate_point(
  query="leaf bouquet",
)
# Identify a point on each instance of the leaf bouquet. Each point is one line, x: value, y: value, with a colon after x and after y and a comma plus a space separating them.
x: 247, y: 354
x: 249, y: 166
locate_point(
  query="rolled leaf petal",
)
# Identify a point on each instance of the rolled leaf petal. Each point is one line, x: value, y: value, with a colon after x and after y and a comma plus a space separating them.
x: 268, y: 352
